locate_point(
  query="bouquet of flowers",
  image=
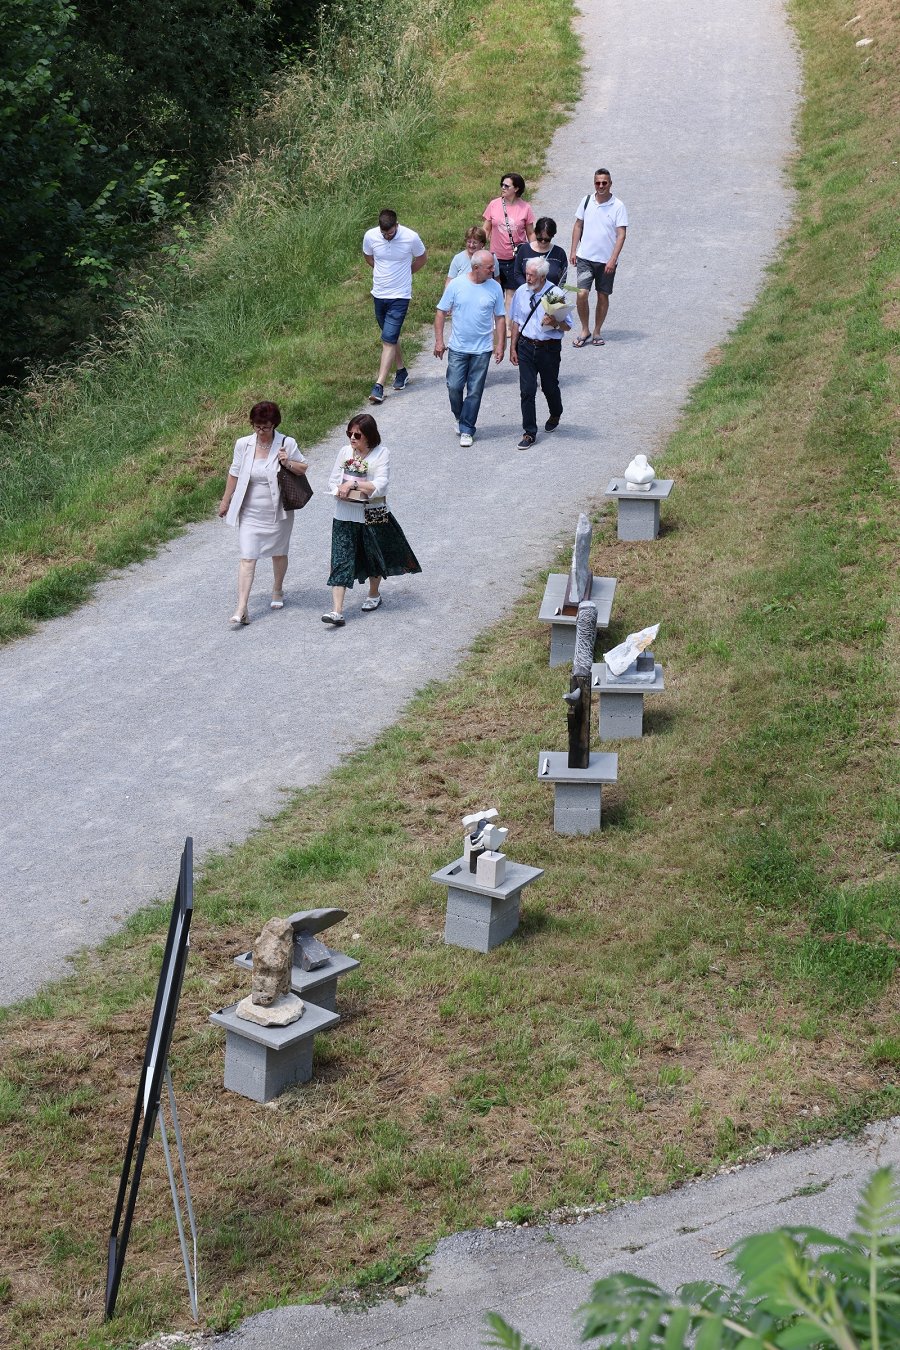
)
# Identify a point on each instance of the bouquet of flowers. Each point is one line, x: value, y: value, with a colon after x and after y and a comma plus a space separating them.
x: 358, y: 468
x: 555, y: 302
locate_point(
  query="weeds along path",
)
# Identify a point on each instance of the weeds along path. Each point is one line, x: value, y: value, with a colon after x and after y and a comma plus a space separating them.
x: 141, y: 718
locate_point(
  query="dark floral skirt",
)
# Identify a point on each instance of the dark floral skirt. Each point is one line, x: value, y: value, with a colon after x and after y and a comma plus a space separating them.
x: 361, y: 551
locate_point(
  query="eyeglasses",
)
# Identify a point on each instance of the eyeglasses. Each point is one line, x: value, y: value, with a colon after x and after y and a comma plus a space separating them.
x: 543, y: 238
x: 508, y: 185
x: 598, y: 182
x: 357, y: 436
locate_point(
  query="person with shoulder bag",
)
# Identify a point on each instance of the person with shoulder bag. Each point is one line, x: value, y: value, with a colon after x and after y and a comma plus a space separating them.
x: 252, y: 502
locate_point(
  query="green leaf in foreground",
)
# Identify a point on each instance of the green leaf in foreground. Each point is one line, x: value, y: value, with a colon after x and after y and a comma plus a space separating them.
x: 796, y: 1287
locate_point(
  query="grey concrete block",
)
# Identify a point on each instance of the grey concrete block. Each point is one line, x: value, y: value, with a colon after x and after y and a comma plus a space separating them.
x: 621, y: 716
x: 480, y: 932
x: 562, y: 644
x: 638, y: 519
x: 577, y: 796
x: 259, y: 1073
x: 573, y: 820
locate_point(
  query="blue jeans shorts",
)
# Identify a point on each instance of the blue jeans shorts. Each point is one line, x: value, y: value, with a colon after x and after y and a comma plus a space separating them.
x: 389, y: 315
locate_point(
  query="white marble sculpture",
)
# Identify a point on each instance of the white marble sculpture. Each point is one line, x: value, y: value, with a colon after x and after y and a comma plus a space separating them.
x: 482, y: 844
x: 639, y: 475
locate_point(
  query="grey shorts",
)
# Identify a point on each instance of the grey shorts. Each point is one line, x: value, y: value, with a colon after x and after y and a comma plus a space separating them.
x: 594, y: 272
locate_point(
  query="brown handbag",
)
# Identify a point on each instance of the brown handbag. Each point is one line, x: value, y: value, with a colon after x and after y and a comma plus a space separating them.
x: 294, y: 488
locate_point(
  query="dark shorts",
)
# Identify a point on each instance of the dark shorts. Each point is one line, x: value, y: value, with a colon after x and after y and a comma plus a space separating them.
x: 595, y: 272
x: 389, y: 315
x: 507, y: 273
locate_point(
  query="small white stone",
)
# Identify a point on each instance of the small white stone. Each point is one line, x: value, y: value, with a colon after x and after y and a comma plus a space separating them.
x: 865, y: 42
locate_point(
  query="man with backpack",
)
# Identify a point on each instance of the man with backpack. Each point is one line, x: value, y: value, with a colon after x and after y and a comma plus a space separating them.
x: 597, y: 240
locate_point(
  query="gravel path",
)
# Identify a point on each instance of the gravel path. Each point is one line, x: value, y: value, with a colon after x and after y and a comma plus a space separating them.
x: 141, y: 718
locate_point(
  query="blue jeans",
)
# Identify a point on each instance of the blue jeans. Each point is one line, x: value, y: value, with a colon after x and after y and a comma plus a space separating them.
x: 466, y: 371
x: 389, y: 315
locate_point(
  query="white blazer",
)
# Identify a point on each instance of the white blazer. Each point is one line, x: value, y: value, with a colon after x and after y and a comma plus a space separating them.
x: 242, y: 462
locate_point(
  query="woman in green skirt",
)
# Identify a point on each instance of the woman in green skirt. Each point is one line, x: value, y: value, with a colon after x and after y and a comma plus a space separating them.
x: 366, y: 541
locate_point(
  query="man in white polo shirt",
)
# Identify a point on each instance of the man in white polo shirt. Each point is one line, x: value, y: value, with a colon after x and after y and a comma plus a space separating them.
x: 597, y: 240
x: 394, y: 253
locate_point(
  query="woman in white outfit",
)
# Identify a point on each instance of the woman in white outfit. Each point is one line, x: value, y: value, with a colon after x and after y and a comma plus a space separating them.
x: 252, y: 502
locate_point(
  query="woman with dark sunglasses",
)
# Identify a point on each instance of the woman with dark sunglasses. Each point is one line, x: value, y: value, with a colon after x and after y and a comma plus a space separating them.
x: 367, y: 544
x: 542, y: 246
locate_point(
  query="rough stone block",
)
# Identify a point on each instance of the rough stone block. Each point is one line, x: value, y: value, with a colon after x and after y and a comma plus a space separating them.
x: 638, y: 520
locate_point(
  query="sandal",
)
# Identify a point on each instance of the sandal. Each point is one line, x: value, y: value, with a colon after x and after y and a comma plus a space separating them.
x: 277, y: 600
x: 335, y: 619
x: 239, y: 620
x: 598, y: 342
x: 581, y: 341
x: 371, y: 602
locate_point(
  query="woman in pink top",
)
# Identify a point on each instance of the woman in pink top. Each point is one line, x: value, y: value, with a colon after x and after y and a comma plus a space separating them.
x: 511, y: 223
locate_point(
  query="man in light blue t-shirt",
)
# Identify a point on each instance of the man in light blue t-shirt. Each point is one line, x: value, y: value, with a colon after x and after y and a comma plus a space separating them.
x: 479, y: 324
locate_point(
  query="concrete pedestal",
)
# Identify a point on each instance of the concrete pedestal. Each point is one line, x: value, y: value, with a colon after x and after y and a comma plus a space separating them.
x: 622, y: 704
x: 319, y: 985
x: 260, y: 1062
x: 481, y: 917
x: 562, y: 626
x: 577, y: 793
x: 639, y: 511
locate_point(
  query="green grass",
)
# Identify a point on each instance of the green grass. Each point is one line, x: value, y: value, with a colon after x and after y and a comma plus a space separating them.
x: 104, y: 461
x: 714, y: 975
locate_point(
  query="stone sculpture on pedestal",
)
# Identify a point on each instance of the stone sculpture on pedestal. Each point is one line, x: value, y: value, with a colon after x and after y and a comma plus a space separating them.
x: 579, y: 696
x: 483, y: 839
x: 639, y: 475
x: 581, y: 579
x: 271, y: 1003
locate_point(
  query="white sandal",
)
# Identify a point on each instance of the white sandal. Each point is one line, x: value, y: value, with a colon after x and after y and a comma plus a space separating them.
x: 239, y: 620
x: 279, y: 603
x: 371, y: 602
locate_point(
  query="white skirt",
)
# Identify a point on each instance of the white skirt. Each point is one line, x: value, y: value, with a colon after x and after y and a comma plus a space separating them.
x: 260, y: 535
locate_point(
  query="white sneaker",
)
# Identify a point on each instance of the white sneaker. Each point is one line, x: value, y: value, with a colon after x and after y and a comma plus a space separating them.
x: 466, y: 440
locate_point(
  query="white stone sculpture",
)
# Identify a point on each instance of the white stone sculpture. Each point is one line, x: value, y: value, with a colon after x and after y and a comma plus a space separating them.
x: 639, y: 475
x: 482, y: 844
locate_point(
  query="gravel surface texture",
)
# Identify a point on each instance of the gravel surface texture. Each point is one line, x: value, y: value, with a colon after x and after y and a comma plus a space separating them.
x: 142, y: 718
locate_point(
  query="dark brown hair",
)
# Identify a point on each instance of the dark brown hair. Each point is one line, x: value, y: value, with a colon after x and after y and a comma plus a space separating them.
x: 265, y: 412
x: 517, y: 181
x: 365, y: 423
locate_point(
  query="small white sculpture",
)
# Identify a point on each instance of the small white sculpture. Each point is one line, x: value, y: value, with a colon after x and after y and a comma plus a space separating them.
x: 482, y: 844
x: 639, y: 475
x: 619, y: 659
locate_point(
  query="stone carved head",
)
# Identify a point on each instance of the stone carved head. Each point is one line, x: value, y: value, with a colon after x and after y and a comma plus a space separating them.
x: 272, y: 958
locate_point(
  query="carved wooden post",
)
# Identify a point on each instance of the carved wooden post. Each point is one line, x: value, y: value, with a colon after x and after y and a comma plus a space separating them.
x: 579, y: 695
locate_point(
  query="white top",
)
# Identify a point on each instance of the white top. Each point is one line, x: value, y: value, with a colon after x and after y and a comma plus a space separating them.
x: 242, y: 464
x: 601, y: 219
x: 392, y: 276
x: 377, y: 469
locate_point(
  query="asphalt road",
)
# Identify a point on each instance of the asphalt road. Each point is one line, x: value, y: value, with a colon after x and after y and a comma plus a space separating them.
x: 142, y: 718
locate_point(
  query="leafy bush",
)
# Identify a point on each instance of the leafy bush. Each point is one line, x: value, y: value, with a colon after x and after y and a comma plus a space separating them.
x: 797, y: 1288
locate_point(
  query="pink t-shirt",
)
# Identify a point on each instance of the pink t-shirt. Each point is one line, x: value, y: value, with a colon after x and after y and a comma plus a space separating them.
x: 520, y: 216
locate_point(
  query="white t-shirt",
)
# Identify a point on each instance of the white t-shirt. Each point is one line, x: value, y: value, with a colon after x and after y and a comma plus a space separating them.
x: 601, y: 220
x: 392, y: 277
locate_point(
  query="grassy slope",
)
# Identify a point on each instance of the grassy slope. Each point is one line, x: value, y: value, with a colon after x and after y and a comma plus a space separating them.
x: 274, y: 301
x: 717, y: 973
